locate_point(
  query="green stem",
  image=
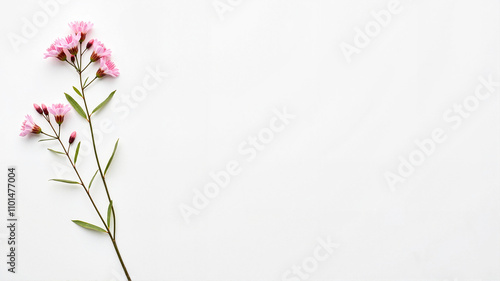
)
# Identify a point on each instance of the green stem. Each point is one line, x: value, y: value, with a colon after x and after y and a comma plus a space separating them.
x: 86, y: 66
x: 85, y: 87
x: 80, y: 178
x: 108, y: 231
x: 113, y: 237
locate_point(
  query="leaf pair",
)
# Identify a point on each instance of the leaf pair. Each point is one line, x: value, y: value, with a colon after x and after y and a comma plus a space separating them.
x: 79, y: 109
x: 95, y: 227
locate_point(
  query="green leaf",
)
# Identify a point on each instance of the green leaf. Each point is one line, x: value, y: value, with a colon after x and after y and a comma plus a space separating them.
x: 110, y: 207
x: 104, y: 102
x: 46, y: 140
x: 76, y: 106
x: 65, y: 181
x: 78, y: 92
x: 88, y: 226
x: 111, y: 158
x: 55, y: 151
x: 85, y: 83
x: 92, y: 180
x: 77, y: 151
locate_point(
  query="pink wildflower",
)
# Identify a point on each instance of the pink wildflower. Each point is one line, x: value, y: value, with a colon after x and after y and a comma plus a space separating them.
x: 107, y: 68
x: 70, y: 43
x: 59, y: 110
x: 99, y: 51
x: 29, y: 126
x: 81, y: 27
x: 56, y: 51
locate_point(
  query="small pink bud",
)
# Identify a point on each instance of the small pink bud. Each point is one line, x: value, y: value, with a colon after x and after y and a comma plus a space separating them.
x: 45, y: 109
x: 72, y: 137
x: 38, y: 108
x: 90, y: 43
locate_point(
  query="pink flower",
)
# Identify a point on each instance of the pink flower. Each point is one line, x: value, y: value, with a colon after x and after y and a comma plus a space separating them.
x: 56, y: 51
x: 107, y: 68
x: 29, y: 126
x: 70, y: 43
x: 81, y: 27
x: 72, y: 137
x: 59, y: 110
x: 99, y: 51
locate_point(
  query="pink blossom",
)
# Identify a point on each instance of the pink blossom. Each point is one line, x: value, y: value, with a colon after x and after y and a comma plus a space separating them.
x: 56, y: 51
x: 81, y: 27
x: 59, y: 110
x: 99, y: 51
x: 72, y: 137
x: 29, y: 126
x: 70, y: 43
x: 107, y: 67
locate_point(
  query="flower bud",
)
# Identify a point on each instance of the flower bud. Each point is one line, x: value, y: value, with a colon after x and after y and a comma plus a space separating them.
x: 36, y: 129
x: 72, y: 137
x: 37, y: 108
x: 100, y: 73
x: 45, y: 109
x: 73, y: 59
x: 90, y: 43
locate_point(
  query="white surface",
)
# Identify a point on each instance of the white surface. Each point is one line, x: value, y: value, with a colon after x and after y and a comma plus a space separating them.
x: 322, y: 176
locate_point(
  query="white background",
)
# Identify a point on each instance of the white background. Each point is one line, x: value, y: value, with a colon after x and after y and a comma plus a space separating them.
x: 322, y: 176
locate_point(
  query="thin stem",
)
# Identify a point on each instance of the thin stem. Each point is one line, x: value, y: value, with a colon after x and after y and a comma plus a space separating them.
x: 95, y: 153
x: 108, y: 231
x: 85, y: 87
x: 80, y: 178
x: 113, y: 237
x: 86, y: 66
x: 72, y: 64
x: 78, y: 64
x: 48, y: 135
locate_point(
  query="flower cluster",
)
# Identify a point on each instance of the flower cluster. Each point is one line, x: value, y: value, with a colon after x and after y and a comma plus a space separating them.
x: 58, y: 110
x: 71, y: 45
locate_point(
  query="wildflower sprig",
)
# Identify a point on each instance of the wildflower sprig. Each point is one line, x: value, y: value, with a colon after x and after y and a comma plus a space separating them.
x: 71, y: 50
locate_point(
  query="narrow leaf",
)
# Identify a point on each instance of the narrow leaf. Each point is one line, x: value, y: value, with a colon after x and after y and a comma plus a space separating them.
x: 77, y: 151
x: 65, y: 181
x: 55, y: 151
x: 88, y: 226
x: 92, y: 180
x: 76, y: 90
x: 111, y: 158
x: 110, y: 207
x: 104, y: 102
x: 85, y: 83
x: 45, y: 140
x: 75, y: 105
